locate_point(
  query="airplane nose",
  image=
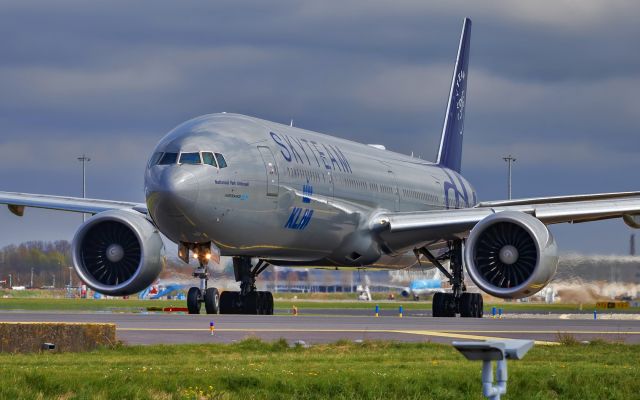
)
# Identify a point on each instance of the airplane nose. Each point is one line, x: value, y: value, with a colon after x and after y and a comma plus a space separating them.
x: 171, y: 191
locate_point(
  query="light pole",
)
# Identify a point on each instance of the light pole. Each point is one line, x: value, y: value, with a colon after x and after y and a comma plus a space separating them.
x: 70, y: 277
x: 84, y: 159
x: 509, y: 160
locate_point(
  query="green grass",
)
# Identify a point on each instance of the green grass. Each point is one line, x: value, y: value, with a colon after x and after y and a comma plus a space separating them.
x: 372, y: 370
x: 135, y: 305
x: 50, y: 304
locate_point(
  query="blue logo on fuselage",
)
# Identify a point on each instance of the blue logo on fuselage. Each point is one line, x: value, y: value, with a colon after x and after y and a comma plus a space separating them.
x: 457, y: 192
x: 307, y: 192
x: 299, y: 218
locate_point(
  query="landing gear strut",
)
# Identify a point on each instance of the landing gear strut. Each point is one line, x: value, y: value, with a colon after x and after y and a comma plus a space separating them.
x: 203, y: 294
x: 248, y: 300
x: 468, y: 305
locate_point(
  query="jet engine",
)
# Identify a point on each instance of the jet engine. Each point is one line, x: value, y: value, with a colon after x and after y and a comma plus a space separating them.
x: 511, y: 255
x: 118, y: 252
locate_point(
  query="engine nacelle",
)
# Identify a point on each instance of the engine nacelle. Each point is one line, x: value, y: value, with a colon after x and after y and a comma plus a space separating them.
x: 511, y: 255
x: 118, y: 252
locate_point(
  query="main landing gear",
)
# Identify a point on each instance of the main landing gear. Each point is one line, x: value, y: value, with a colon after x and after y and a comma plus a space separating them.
x: 248, y: 300
x: 459, y: 301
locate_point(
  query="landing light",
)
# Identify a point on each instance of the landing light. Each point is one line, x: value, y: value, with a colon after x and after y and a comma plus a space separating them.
x: 208, y: 256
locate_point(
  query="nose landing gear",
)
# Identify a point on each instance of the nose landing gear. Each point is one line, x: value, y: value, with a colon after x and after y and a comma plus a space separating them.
x: 202, y: 294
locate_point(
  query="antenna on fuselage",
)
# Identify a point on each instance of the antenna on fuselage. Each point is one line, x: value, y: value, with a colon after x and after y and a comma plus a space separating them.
x: 291, y: 123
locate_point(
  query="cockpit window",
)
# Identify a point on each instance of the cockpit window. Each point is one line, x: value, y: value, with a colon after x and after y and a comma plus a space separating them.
x: 208, y: 158
x: 222, y: 163
x: 190, y: 158
x: 168, y: 158
x: 155, y: 158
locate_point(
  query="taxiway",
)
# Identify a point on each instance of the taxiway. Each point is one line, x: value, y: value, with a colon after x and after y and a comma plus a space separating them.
x: 154, y: 328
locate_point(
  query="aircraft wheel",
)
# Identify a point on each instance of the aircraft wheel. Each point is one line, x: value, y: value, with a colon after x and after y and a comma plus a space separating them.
x: 479, y: 305
x: 227, y: 300
x: 467, y: 305
x: 212, y: 300
x: 449, y: 305
x: 269, y: 303
x: 437, y: 304
x: 263, y: 303
x: 250, y: 303
x: 193, y: 300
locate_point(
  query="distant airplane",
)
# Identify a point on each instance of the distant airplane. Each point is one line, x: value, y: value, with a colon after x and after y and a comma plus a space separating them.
x: 422, y: 287
x: 161, y: 289
x: 238, y: 186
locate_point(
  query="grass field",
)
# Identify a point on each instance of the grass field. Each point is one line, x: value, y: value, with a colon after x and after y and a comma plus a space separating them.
x: 372, y: 370
x: 135, y: 305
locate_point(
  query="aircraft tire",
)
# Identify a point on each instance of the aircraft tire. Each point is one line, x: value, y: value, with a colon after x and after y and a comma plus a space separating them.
x: 193, y: 300
x: 212, y: 301
x: 437, y: 304
x: 227, y: 300
x: 449, y: 305
x: 467, y: 304
x: 263, y: 303
x: 479, y: 305
x: 250, y: 303
x: 269, y: 306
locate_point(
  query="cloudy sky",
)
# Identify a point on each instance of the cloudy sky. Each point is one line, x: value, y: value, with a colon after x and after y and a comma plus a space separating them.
x: 551, y: 82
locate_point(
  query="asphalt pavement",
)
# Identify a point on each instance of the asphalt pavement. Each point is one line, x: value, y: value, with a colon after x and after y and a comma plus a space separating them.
x: 153, y: 328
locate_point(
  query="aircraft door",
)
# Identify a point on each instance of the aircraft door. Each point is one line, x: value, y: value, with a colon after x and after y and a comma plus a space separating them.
x: 396, y: 193
x: 330, y: 182
x: 271, y: 170
x: 394, y: 185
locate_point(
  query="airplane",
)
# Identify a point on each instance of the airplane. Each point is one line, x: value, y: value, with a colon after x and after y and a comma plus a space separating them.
x: 266, y: 193
x: 422, y: 287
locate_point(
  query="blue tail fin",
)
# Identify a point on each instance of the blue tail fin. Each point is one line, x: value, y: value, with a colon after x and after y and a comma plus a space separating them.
x: 450, y: 153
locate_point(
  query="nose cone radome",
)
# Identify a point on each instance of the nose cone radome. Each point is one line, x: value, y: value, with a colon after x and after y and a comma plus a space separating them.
x: 171, y: 192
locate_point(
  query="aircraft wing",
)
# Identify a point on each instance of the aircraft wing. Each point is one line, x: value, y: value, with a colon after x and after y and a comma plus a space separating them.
x: 551, y: 210
x: 18, y: 201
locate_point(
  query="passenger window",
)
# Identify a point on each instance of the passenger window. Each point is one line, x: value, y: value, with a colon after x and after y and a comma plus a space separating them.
x: 208, y: 158
x: 222, y: 163
x: 155, y: 158
x: 168, y: 158
x: 190, y: 158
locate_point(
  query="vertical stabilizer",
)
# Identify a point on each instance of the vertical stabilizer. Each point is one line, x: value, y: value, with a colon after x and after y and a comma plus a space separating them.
x: 450, y: 152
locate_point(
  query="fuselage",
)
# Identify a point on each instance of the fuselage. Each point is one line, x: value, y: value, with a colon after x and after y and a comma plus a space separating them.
x: 288, y: 194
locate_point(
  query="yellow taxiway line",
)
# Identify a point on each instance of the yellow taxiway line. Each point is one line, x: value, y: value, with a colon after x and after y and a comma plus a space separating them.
x: 444, y: 334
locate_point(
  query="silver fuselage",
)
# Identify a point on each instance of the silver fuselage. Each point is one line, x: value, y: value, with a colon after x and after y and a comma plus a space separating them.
x: 293, y: 196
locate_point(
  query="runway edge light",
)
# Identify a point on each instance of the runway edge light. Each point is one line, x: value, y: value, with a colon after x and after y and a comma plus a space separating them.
x: 494, y: 350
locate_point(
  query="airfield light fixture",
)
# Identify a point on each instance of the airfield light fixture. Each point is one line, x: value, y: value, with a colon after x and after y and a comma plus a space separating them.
x: 510, y: 160
x: 498, y: 351
x: 84, y: 159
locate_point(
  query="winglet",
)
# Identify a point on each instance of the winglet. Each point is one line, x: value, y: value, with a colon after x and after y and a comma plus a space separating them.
x: 450, y: 152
